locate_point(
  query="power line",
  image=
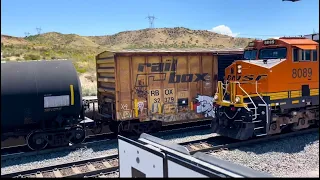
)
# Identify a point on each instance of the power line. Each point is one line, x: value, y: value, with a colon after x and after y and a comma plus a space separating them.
x: 39, y: 30
x: 151, y: 21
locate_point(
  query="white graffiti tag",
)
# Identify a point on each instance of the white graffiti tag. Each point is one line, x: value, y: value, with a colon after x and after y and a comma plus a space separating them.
x: 140, y: 106
x: 205, y: 105
x: 124, y: 107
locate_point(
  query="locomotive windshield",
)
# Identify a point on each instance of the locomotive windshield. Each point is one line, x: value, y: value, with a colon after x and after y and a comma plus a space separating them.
x: 273, y: 53
x: 250, y: 54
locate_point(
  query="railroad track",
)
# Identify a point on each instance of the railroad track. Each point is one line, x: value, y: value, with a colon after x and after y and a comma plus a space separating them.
x: 90, y: 167
x: 108, y: 166
x: 222, y: 143
x: 23, y: 151
x: 111, y: 138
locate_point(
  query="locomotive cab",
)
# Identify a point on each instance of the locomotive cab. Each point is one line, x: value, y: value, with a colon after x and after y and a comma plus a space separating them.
x: 251, y: 51
x: 278, y: 90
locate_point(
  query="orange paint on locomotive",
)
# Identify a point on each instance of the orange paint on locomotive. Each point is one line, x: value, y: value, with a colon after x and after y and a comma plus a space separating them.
x: 280, y: 88
x: 277, y: 75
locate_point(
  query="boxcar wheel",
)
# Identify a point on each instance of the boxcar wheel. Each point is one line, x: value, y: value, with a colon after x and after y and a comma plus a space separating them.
x: 78, y: 135
x: 37, y: 140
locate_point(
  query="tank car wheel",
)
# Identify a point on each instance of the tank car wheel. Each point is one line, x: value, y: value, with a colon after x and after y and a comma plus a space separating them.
x: 36, y: 141
x: 78, y: 135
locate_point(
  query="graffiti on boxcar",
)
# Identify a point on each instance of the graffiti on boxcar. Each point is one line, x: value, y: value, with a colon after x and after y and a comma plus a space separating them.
x: 124, y: 107
x: 205, y: 105
x: 140, y: 107
x: 158, y: 72
x: 141, y: 90
x: 125, y: 113
x: 207, y: 84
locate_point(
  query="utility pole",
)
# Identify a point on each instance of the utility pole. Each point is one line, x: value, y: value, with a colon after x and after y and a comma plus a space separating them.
x: 38, y: 30
x: 151, y: 20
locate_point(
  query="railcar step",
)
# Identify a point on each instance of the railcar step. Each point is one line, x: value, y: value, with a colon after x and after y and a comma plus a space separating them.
x: 257, y: 121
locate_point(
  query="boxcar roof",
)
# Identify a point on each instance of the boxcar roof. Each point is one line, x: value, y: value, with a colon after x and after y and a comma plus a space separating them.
x: 177, y: 50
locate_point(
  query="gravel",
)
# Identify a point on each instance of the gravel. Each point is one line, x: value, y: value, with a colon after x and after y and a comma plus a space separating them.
x: 110, y: 175
x: 290, y: 157
x: 95, y: 151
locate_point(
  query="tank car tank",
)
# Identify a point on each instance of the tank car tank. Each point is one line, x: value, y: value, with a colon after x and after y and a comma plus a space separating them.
x: 42, y: 101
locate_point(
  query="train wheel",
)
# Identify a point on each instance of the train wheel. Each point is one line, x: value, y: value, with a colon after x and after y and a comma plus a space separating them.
x: 78, y: 135
x: 274, y: 128
x: 302, y: 124
x: 37, y: 140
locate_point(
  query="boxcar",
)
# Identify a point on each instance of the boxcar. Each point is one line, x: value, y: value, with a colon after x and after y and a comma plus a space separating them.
x: 142, y: 90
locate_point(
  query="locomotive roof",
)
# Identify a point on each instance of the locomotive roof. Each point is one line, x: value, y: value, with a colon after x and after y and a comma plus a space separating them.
x: 298, y: 41
x: 180, y: 50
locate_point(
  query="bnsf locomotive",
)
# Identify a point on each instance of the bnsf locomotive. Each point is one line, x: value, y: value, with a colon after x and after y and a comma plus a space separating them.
x: 278, y: 91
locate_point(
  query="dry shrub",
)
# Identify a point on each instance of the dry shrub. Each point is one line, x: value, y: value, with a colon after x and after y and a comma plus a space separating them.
x: 89, y: 84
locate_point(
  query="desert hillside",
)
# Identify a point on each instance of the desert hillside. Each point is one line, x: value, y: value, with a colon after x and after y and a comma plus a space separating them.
x: 82, y: 49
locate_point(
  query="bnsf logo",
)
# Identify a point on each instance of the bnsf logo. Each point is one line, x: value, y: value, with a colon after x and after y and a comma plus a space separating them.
x: 245, y: 78
x: 157, y: 69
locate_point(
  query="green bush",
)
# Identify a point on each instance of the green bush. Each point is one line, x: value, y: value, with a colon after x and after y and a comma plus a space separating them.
x: 81, y: 70
x: 17, y: 54
x: 31, y: 57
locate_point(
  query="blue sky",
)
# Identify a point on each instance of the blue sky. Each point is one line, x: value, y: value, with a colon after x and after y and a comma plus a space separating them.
x: 244, y: 18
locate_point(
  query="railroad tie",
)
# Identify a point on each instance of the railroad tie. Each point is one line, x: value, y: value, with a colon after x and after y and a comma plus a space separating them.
x: 76, y: 170
x: 193, y: 147
x: 205, y: 145
x: 106, y: 164
x: 57, y: 173
x: 91, y: 167
x: 102, y: 176
x: 39, y: 175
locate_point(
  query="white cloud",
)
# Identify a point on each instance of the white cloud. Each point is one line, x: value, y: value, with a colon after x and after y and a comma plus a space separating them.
x: 223, y: 29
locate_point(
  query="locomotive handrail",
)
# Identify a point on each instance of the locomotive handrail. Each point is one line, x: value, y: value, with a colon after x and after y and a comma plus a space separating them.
x: 255, y: 107
x: 267, y: 118
x: 225, y: 92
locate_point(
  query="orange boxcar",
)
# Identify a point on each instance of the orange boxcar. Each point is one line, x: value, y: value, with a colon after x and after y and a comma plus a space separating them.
x: 166, y: 86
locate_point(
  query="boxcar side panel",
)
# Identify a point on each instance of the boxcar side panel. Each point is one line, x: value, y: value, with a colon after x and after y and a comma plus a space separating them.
x: 207, y: 67
x: 106, y: 83
x: 195, y: 87
x: 154, y: 77
x: 166, y: 88
x: 139, y: 87
x: 124, y: 98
